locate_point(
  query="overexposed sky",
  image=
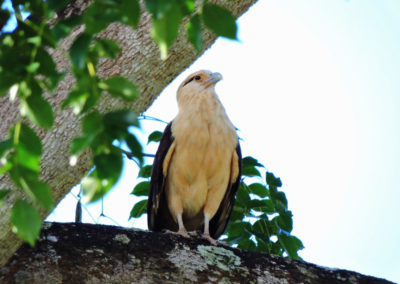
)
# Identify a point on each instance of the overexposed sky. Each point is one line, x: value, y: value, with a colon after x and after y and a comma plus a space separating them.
x: 314, y: 88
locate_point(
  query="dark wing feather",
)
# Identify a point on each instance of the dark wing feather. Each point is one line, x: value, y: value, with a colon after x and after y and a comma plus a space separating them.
x: 158, y: 215
x: 221, y: 218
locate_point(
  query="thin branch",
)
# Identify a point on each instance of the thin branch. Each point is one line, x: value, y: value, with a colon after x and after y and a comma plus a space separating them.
x: 84, y: 207
x: 130, y: 156
x: 143, y: 116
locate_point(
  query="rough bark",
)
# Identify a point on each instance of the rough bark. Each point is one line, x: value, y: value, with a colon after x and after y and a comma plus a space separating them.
x: 84, y: 253
x: 139, y: 61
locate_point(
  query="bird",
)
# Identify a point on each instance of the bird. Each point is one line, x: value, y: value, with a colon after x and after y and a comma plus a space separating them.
x: 197, y: 167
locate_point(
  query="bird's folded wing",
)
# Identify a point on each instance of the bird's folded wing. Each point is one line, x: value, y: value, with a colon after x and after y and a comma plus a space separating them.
x: 158, y: 215
x: 220, y: 220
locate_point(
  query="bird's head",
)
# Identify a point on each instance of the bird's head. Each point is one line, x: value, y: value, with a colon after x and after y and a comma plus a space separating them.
x: 198, y: 82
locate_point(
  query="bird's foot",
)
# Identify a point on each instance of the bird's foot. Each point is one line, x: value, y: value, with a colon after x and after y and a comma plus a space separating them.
x: 182, y: 233
x: 210, y: 239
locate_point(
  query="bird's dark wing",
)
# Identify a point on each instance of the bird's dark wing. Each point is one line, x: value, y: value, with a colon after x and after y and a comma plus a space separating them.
x: 158, y: 215
x: 221, y: 218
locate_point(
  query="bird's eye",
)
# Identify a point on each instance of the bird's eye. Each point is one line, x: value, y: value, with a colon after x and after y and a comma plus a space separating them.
x: 197, y: 78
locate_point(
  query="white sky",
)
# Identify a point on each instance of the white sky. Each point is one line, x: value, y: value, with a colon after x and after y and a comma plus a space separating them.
x: 313, y: 87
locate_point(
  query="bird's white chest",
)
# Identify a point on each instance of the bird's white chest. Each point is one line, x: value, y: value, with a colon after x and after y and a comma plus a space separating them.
x: 205, y: 140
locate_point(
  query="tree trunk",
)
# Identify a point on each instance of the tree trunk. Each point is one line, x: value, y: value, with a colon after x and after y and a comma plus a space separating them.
x: 85, y: 253
x: 139, y: 61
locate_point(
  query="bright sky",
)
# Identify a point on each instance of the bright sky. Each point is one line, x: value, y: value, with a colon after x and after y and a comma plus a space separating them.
x: 313, y: 87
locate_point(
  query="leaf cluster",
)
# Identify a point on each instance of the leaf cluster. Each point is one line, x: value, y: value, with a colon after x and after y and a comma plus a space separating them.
x: 167, y: 17
x: 27, y: 72
x: 260, y: 219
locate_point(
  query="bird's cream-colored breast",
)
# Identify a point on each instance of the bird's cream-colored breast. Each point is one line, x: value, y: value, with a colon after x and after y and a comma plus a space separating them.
x: 205, y: 140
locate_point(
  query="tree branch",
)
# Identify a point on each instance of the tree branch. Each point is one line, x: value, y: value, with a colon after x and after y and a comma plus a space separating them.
x: 85, y: 253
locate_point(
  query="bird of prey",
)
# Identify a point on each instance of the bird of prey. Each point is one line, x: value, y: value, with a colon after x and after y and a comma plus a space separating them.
x: 197, y: 167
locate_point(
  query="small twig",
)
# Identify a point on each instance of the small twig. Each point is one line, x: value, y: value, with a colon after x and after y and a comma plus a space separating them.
x: 143, y: 116
x: 130, y: 156
x: 84, y: 207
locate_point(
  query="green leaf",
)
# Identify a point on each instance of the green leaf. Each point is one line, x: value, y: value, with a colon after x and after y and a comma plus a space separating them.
x: 38, y: 110
x: 48, y: 68
x: 242, y: 196
x: 141, y: 189
x: 79, y: 50
x: 76, y: 99
x: 279, y: 200
x: 165, y: 28
x: 187, y: 6
x: 291, y: 245
x: 29, y: 140
x: 264, y: 229
x: 108, y: 165
x: 250, y: 172
x: 272, y: 180
x: 80, y: 143
x: 92, y: 124
x: 63, y: 28
x: 263, y: 245
x: 219, y: 20
x: 260, y: 229
x: 138, y: 209
x: 5, y: 167
x: 284, y: 221
x: 195, y: 32
x: 158, y: 7
x: 57, y: 5
x: 250, y: 162
x: 41, y: 194
x: 239, y: 228
x: 119, y: 87
x: 5, y: 147
x: 155, y: 137
x: 95, y: 188
x: 121, y: 119
x: 107, y: 48
x: 259, y: 189
x: 3, y: 195
x: 33, y: 67
x: 29, y: 147
x: 265, y: 206
x: 247, y: 244
x: 237, y: 213
x: 90, y: 186
x: 145, y: 171
x: 36, y: 40
x: 249, y: 165
x: 131, y: 12
x: 135, y: 147
x: 26, y: 221
x: 98, y: 17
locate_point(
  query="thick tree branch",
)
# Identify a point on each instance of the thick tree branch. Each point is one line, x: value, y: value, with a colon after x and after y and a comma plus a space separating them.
x: 84, y: 253
x: 140, y: 62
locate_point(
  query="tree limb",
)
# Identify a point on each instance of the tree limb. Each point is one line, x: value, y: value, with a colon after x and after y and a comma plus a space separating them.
x: 85, y: 253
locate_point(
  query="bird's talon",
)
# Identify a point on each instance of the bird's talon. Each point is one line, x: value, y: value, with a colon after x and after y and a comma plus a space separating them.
x: 211, y: 240
x: 180, y: 233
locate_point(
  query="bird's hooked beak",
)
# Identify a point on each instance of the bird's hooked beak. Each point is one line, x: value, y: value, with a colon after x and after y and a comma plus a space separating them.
x: 213, y: 79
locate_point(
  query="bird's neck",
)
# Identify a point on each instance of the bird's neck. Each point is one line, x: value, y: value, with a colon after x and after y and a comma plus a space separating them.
x: 203, y: 105
x: 202, y: 110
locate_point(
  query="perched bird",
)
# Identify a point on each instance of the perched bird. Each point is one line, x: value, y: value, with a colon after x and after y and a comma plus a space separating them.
x: 197, y: 167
